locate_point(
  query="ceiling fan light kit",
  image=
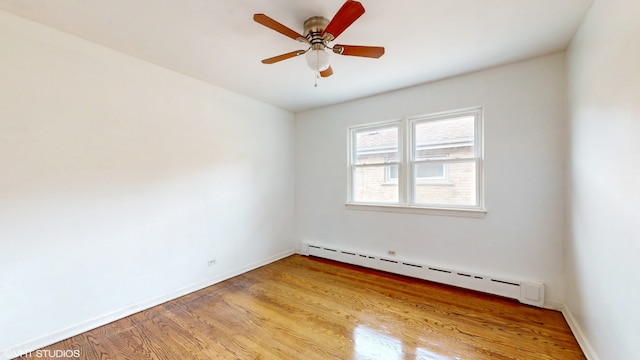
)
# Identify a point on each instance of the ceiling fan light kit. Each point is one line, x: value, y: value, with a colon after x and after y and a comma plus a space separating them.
x: 318, y: 60
x: 318, y: 33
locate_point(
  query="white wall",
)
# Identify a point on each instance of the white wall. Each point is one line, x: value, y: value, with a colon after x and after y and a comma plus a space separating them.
x: 603, y: 248
x: 119, y: 179
x: 525, y: 128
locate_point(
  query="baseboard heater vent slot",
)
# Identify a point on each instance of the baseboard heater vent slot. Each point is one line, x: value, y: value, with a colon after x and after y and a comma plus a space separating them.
x: 440, y: 270
x: 531, y: 293
x: 505, y: 282
x: 414, y: 265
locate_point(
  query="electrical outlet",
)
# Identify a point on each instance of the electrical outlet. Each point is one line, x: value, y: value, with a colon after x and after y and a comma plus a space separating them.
x: 391, y: 253
x: 211, y: 262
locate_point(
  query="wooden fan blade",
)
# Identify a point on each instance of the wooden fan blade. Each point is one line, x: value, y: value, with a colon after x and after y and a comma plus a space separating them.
x: 274, y: 25
x: 348, y: 13
x: 326, y: 73
x: 355, y: 50
x: 286, y: 56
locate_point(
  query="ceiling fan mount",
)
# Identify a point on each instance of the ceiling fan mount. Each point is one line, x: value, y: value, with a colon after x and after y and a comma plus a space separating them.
x: 318, y: 33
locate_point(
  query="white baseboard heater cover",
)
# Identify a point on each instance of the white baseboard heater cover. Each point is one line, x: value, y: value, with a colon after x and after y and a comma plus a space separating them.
x: 530, y: 293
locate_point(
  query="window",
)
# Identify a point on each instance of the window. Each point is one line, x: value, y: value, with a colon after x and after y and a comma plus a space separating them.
x: 424, y: 162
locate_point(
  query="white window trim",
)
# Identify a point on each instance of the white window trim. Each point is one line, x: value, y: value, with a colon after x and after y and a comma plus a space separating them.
x: 406, y: 160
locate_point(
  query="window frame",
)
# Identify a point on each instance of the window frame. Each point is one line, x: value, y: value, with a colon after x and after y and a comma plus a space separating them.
x: 352, y: 132
x: 406, y: 166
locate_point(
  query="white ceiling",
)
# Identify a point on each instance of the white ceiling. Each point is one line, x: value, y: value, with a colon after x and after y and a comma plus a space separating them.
x: 218, y: 42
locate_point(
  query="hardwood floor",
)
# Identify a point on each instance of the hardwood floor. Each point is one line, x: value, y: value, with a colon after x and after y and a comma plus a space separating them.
x: 306, y: 308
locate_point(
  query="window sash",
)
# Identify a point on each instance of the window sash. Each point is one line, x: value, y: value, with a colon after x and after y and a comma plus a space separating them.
x: 415, y: 182
x: 374, y: 128
x: 392, y: 188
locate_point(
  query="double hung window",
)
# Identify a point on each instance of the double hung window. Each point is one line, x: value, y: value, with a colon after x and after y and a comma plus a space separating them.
x: 423, y: 162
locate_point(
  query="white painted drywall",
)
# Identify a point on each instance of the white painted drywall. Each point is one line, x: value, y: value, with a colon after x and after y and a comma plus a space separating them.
x: 521, y: 237
x: 603, y: 248
x: 120, y: 179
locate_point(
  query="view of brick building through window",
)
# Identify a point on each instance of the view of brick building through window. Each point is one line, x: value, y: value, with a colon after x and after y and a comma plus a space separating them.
x: 437, y: 169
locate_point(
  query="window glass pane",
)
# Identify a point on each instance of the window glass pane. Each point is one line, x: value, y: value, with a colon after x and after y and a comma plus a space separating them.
x: 448, y: 138
x: 392, y: 172
x: 458, y: 188
x: 376, y: 146
x: 430, y: 171
x: 372, y: 184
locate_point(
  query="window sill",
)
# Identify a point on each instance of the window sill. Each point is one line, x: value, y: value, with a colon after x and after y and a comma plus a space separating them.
x: 474, y: 213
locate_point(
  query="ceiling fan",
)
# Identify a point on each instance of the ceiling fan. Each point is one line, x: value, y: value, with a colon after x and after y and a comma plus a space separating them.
x: 318, y: 33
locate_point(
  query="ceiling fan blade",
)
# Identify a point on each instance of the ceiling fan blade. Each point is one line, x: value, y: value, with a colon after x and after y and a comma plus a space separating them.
x: 326, y: 73
x: 348, y: 13
x: 355, y: 50
x: 274, y: 25
x: 286, y: 56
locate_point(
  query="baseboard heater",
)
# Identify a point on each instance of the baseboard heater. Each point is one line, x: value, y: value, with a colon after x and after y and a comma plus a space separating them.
x: 530, y: 293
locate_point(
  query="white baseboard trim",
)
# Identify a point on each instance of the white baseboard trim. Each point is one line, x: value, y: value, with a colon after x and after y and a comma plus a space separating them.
x: 553, y: 305
x: 62, y: 334
x: 584, y: 343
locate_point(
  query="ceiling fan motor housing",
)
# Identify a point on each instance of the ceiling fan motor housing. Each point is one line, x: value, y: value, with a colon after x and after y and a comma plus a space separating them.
x: 313, y: 28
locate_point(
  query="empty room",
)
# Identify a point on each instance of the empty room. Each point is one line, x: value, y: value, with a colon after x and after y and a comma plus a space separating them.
x: 411, y: 179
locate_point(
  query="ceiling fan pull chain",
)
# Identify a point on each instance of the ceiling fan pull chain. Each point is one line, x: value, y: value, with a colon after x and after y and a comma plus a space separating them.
x: 317, y: 72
